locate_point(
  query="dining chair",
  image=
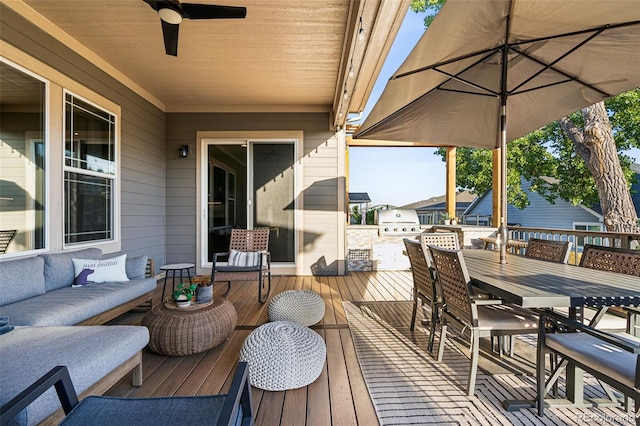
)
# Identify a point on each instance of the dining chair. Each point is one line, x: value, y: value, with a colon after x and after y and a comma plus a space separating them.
x: 622, y: 261
x: 424, y: 285
x: 482, y: 317
x: 248, y: 260
x: 441, y: 239
x: 549, y: 250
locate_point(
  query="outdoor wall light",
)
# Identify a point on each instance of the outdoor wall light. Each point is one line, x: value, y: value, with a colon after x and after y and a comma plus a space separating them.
x: 183, y: 151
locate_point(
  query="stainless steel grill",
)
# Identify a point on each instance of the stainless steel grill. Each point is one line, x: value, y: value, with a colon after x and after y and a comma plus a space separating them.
x: 397, y: 222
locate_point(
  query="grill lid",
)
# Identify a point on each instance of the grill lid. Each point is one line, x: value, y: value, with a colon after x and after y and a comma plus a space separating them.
x: 397, y: 217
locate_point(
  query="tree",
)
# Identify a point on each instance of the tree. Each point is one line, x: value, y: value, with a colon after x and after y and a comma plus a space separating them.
x: 584, y: 152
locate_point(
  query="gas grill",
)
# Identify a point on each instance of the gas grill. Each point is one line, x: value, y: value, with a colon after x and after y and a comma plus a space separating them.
x: 397, y: 222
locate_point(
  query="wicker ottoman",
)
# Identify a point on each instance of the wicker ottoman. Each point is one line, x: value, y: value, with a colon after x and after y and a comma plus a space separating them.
x: 283, y: 355
x: 303, y: 306
x: 185, y: 331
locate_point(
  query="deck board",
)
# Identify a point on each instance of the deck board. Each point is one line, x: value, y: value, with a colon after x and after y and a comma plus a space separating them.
x: 338, y: 397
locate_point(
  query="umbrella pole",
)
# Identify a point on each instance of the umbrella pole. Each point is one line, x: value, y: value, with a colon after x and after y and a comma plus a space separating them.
x: 502, y: 230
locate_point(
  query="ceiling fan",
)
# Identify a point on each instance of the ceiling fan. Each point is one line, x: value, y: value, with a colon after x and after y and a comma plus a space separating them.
x: 172, y: 12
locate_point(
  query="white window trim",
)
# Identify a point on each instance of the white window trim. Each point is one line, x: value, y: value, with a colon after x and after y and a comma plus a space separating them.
x: 115, y: 179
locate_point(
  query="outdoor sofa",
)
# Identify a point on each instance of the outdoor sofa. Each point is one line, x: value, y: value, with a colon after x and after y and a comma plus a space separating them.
x: 45, y: 322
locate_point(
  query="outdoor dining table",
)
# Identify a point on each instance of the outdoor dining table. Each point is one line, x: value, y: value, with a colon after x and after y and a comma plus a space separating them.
x: 536, y: 284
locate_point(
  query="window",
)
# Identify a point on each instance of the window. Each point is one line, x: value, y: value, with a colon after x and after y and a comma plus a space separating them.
x: 89, y: 172
x: 23, y: 156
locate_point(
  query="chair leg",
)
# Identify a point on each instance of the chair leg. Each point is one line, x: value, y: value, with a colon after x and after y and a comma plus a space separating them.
x: 473, y: 364
x: 443, y: 338
x: 432, y: 328
x: 415, y: 311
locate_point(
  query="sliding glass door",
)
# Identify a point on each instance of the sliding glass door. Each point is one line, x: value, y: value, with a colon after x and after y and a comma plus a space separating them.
x: 250, y: 184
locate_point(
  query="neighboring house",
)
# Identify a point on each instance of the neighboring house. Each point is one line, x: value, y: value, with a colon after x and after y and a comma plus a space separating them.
x: 431, y: 211
x: 105, y: 141
x: 539, y: 213
x: 362, y: 200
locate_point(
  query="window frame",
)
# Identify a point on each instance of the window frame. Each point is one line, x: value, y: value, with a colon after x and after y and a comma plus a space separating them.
x: 114, y: 178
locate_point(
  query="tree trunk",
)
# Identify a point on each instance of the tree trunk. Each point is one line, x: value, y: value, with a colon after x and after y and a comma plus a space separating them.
x: 596, y: 146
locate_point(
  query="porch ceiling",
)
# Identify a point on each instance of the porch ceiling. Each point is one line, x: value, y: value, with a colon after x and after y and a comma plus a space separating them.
x: 285, y: 56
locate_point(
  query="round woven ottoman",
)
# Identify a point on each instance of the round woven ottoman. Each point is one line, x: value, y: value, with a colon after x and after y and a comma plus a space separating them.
x: 283, y: 355
x: 177, y: 331
x: 303, y: 306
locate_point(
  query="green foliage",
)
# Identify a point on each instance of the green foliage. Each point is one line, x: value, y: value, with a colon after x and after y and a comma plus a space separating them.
x: 430, y: 6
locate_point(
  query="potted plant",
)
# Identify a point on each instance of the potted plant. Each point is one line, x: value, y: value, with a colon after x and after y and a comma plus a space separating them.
x: 183, y: 294
x: 204, y: 292
x: 446, y: 219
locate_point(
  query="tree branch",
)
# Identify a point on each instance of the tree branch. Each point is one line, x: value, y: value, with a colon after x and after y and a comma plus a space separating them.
x: 576, y: 136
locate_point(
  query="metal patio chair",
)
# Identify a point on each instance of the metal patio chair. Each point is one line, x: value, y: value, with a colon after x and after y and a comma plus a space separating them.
x: 481, y: 317
x: 5, y: 239
x: 622, y: 261
x: 249, y: 260
x: 424, y: 286
x: 549, y: 250
x: 233, y: 408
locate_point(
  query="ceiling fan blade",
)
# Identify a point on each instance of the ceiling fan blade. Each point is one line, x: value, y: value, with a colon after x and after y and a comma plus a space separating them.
x: 170, y: 33
x: 212, y: 11
x: 153, y: 3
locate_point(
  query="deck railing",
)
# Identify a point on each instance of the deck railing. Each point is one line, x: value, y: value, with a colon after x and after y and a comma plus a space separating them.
x: 578, y: 238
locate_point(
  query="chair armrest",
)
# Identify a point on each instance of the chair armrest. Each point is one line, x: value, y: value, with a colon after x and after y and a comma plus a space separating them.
x: 58, y: 377
x: 238, y: 400
x: 606, y: 337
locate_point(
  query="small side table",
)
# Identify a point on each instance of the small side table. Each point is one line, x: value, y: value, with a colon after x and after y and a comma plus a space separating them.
x: 172, y: 269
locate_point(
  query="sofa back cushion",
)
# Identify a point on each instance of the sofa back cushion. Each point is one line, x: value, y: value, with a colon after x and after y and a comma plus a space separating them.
x: 21, y: 279
x: 58, y: 267
x: 136, y: 267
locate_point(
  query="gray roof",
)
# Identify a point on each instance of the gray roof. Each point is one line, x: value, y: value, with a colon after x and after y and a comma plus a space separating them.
x: 359, y: 197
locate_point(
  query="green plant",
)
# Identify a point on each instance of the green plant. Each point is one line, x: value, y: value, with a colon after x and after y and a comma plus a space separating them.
x: 184, y: 290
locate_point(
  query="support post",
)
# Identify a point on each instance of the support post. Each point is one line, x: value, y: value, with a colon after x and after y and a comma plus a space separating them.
x: 451, y: 181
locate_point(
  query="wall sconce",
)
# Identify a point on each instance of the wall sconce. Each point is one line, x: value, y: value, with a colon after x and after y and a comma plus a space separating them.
x: 183, y: 151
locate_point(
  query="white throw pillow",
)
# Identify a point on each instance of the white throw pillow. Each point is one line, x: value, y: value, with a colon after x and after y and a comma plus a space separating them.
x: 104, y: 270
x: 244, y: 258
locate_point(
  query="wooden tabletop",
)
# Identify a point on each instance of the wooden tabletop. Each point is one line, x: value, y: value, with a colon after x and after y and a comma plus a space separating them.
x: 533, y: 283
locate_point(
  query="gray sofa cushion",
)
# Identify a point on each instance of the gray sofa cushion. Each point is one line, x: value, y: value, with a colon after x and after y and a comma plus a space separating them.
x: 136, y: 267
x: 71, y: 305
x: 21, y: 279
x: 58, y: 267
x: 90, y: 353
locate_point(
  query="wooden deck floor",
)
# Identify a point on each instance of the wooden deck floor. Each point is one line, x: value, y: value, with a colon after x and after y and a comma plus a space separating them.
x: 338, y: 397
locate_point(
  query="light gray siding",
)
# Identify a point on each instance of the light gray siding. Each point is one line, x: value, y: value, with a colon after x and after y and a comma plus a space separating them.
x: 142, y: 134
x: 321, y: 179
x: 540, y: 213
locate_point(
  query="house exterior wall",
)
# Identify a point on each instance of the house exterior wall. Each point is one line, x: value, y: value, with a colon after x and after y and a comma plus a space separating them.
x: 539, y: 213
x: 321, y: 155
x: 142, y: 169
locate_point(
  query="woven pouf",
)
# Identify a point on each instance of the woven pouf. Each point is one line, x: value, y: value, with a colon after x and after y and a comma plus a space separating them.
x: 187, y: 331
x: 283, y: 355
x: 303, y: 306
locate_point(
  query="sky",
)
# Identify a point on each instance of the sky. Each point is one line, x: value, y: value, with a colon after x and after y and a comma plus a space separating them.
x: 400, y: 176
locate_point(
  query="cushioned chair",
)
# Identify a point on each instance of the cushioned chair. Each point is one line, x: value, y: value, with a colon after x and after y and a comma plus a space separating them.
x: 482, y: 317
x: 549, y: 250
x: 424, y: 285
x: 233, y: 408
x: 622, y: 261
x: 249, y: 260
x: 5, y: 239
x: 612, y: 359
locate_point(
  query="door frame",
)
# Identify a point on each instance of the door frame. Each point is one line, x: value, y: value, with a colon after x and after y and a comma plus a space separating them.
x: 203, y: 139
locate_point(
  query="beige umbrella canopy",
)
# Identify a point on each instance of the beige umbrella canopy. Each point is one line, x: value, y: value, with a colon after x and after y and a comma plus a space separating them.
x: 488, y: 72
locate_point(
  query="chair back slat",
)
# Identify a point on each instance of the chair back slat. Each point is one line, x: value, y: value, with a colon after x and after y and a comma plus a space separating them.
x: 5, y: 239
x: 454, y: 281
x: 549, y: 250
x: 622, y: 261
x: 422, y: 280
x: 249, y: 239
x: 448, y: 240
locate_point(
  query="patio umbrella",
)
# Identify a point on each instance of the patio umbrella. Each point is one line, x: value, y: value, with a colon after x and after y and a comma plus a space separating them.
x: 488, y: 72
